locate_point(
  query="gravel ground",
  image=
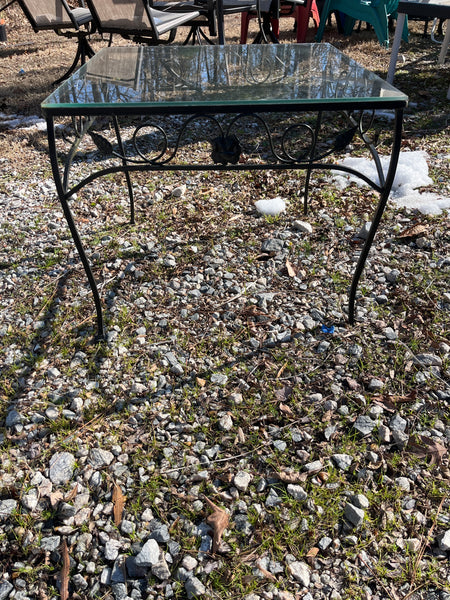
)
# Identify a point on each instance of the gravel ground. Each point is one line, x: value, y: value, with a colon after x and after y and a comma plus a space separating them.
x: 233, y: 437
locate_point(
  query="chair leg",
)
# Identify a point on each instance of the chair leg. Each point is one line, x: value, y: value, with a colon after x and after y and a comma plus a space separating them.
x: 84, y: 50
x: 302, y: 18
x: 245, y: 18
x: 275, y: 27
x: 323, y: 20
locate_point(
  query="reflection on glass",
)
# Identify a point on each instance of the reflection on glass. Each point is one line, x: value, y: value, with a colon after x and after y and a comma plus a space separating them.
x: 226, y: 75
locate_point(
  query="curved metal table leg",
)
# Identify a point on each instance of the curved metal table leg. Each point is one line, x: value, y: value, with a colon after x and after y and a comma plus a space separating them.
x: 384, y: 195
x: 63, y: 198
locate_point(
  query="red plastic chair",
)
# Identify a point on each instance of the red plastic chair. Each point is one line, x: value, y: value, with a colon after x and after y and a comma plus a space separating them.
x: 301, y: 12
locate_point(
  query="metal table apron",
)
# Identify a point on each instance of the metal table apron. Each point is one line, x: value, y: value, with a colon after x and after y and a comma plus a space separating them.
x: 208, y: 82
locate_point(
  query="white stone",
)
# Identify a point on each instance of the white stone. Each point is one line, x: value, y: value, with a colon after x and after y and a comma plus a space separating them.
x: 444, y: 541
x: 301, y: 572
x: 242, y: 480
x: 303, y: 226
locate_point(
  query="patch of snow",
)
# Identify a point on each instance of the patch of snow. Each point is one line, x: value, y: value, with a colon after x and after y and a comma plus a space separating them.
x: 273, y: 206
x: 22, y: 122
x: 412, y: 173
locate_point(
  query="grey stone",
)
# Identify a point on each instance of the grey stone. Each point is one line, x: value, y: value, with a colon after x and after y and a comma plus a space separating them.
x: 444, y: 541
x: 100, y: 458
x: 79, y: 581
x: 160, y: 569
x: 179, y: 191
x: 272, y: 245
x: 384, y: 434
x: 194, y: 587
x: 52, y: 413
x: 375, y: 385
x: 400, y: 438
x: 219, y: 378
x: 112, y: 548
x: 105, y: 576
x: 342, y: 461
x: 5, y: 589
x: 390, y: 334
x: 429, y: 360
x: 393, y: 276
x: 13, y: 418
x: 313, y: 466
x: 149, y: 555
x: 53, y: 373
x: 280, y: 445
x: 354, y: 515
x: 159, y: 532
x: 363, y: 233
x: 133, y: 570
x: 273, y: 499
x: 7, y: 507
x: 189, y: 563
x: 365, y: 425
x: 296, y: 491
x: 359, y: 500
x: 302, y: 226
x: 398, y: 423
x: 175, y: 367
x: 324, y: 542
x: 413, y: 544
x: 403, y: 483
x: 301, y: 572
x: 51, y: 543
x: 119, y: 591
x: 226, y: 423
x: 355, y: 350
x: 118, y: 573
x: 61, y: 467
x: 242, y: 524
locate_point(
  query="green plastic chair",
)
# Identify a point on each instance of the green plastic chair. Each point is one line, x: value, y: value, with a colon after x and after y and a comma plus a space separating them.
x: 374, y: 12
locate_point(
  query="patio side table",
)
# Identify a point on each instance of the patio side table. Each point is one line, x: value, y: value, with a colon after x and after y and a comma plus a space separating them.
x: 234, y: 90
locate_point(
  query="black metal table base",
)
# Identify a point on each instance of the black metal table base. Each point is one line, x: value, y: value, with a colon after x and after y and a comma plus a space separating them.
x: 225, y: 155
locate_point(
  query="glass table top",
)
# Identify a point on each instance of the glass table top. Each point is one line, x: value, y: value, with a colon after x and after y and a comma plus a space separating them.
x: 130, y: 79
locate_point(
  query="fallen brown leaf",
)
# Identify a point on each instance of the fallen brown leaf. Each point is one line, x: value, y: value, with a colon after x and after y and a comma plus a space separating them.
x: 427, y: 448
x: 290, y: 476
x: 413, y: 231
x: 65, y: 571
x: 119, y: 502
x: 284, y: 393
x: 219, y: 521
x: 284, y: 408
x: 72, y: 494
x: 290, y: 269
x: 55, y: 498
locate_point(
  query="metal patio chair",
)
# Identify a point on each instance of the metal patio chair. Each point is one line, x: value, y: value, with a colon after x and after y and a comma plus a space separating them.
x: 374, y: 12
x: 69, y: 22
x: 138, y: 21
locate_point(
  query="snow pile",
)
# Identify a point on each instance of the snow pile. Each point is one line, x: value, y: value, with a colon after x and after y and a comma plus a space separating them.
x: 412, y: 173
x: 273, y: 206
x: 22, y: 122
